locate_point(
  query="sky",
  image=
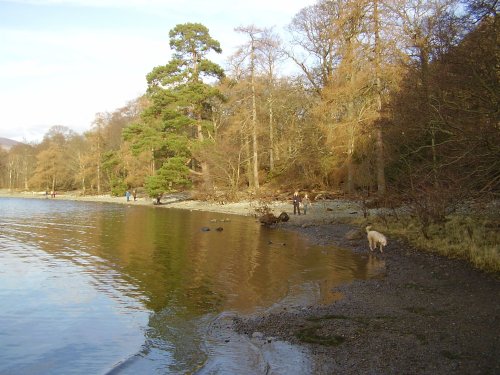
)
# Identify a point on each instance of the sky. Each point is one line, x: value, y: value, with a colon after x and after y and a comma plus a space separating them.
x: 64, y: 61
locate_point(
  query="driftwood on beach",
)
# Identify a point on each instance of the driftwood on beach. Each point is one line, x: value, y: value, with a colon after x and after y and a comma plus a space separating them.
x: 270, y: 219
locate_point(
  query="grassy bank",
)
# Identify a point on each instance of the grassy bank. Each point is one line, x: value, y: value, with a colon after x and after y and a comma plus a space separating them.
x: 474, y: 238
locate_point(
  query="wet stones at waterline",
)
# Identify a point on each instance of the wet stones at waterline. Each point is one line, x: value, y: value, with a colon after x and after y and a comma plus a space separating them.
x: 270, y: 218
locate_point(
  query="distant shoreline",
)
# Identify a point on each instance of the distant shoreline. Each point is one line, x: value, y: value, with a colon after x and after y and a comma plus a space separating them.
x: 168, y: 201
x: 322, y: 212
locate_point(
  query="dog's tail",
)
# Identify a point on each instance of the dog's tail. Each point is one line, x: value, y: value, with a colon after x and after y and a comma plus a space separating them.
x: 368, y: 228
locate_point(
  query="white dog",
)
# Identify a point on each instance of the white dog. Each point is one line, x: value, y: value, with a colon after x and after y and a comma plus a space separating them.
x: 375, y: 238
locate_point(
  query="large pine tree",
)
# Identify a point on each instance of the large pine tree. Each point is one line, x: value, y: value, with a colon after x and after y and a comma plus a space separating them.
x: 179, y: 116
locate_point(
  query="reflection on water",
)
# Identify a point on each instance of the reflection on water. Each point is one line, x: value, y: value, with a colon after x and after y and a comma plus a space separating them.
x: 88, y: 287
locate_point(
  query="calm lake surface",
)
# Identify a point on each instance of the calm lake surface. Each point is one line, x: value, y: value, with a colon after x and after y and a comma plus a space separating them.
x: 92, y: 288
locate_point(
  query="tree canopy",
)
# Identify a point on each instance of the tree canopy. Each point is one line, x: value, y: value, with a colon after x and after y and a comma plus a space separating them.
x: 387, y: 97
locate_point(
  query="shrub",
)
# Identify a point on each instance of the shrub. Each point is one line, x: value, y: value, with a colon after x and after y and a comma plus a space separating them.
x: 118, y: 187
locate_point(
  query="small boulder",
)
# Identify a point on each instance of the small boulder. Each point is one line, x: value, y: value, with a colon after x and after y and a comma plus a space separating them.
x: 268, y: 219
x: 283, y: 218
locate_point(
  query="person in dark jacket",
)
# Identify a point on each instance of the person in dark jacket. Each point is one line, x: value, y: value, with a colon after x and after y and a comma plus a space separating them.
x: 296, y: 202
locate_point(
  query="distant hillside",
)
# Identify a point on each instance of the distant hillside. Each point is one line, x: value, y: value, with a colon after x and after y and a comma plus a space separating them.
x: 6, y: 143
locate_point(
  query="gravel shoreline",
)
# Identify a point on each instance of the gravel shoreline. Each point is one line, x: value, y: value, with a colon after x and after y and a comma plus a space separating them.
x: 425, y: 315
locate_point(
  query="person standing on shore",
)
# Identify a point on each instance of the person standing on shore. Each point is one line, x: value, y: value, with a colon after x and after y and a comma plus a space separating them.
x: 296, y: 199
x: 127, y: 194
x: 134, y: 194
x: 306, y: 202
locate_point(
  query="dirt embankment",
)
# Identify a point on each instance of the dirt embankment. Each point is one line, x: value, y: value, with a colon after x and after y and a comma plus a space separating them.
x: 425, y: 315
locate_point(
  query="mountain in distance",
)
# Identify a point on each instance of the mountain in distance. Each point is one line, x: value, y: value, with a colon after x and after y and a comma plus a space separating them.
x: 6, y: 143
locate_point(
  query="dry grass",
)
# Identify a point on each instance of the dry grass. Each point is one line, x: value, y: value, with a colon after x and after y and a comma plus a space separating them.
x: 476, y: 239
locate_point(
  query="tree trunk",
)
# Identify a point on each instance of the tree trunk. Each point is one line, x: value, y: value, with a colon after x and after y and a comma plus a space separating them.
x: 349, y: 161
x: 152, y: 164
x: 246, y: 143
x: 424, y: 61
x: 10, y: 176
x: 271, y: 134
x: 381, y: 186
x: 254, y: 121
x: 26, y: 185
x: 98, y: 177
x: 205, y: 170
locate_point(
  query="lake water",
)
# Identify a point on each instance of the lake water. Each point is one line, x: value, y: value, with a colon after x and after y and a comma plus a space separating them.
x: 90, y: 288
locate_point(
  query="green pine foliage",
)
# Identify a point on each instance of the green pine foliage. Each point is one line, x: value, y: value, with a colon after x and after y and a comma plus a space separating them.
x: 180, y: 106
x: 172, y: 175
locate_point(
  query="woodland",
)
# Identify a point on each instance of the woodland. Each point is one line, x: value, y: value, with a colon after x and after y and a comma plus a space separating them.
x: 389, y: 101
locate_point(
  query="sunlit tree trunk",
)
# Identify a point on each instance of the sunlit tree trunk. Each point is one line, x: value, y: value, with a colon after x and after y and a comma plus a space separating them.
x: 81, y: 168
x: 253, y: 34
x: 99, y: 156
x: 99, y: 179
x: 254, y: 119
x: 350, y: 148
x: 270, y: 54
x: 351, y: 118
x: 53, y: 177
x: 205, y: 170
x: 247, y: 154
x: 97, y: 139
x: 26, y: 185
x: 271, y: 133
x: 350, y: 168
x: 381, y: 186
x: 11, y: 171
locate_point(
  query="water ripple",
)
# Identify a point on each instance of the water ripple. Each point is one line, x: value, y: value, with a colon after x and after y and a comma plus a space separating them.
x: 96, y: 288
